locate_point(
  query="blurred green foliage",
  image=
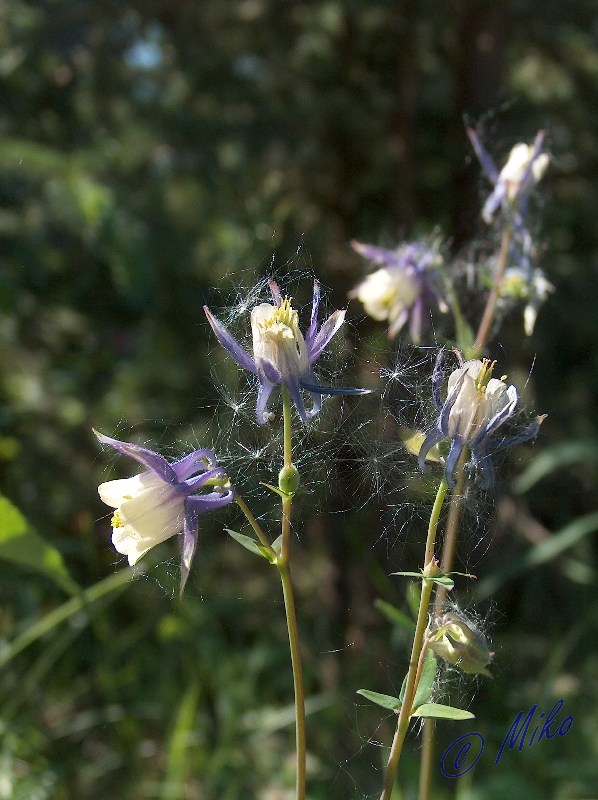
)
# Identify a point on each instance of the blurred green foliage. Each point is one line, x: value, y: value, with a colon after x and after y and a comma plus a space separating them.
x: 158, y: 156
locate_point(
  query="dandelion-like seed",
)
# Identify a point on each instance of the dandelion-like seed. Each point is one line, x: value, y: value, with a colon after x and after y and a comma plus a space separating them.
x: 282, y: 355
x: 475, y: 407
x: 404, y: 288
x: 161, y: 501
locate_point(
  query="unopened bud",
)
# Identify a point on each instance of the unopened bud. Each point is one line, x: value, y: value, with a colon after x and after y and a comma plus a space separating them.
x: 459, y: 642
x: 288, y: 479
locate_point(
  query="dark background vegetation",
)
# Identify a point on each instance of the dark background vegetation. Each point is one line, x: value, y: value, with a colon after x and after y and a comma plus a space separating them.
x: 155, y: 156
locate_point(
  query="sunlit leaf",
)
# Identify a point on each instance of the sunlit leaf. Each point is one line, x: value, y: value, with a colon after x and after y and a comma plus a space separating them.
x: 437, y: 711
x: 21, y: 545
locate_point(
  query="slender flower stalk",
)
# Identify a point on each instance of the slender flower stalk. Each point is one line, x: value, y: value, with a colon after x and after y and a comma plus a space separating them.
x: 417, y: 649
x: 487, y: 320
x: 283, y: 564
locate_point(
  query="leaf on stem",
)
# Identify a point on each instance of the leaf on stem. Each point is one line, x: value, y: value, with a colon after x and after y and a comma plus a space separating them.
x: 438, y: 711
x: 384, y: 700
x: 252, y: 545
x: 426, y: 682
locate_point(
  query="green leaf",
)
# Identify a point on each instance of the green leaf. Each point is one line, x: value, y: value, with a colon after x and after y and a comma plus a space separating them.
x: 413, y: 596
x: 393, y: 614
x: 277, y: 545
x: 21, y: 545
x: 556, y: 458
x: 409, y: 574
x: 384, y: 700
x: 250, y: 544
x: 426, y: 683
x: 545, y: 551
x: 465, y: 338
x: 443, y: 580
x: 276, y: 490
x: 437, y: 711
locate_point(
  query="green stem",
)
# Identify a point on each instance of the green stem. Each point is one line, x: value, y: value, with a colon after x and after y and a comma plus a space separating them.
x: 427, y: 765
x: 283, y: 564
x: 253, y: 522
x: 490, y: 309
x: 452, y: 526
x: 418, y: 642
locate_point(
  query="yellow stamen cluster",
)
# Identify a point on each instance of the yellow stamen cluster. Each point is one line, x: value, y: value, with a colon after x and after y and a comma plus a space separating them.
x: 284, y: 314
x: 484, y: 376
x: 116, y: 521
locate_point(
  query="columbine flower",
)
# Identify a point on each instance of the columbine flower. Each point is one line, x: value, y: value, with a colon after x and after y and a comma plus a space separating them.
x: 403, y: 289
x: 459, y: 642
x: 513, y: 184
x: 475, y: 407
x: 281, y: 354
x: 160, y: 502
x: 530, y: 286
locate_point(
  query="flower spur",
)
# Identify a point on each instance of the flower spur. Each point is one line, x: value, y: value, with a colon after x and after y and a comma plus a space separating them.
x: 281, y: 354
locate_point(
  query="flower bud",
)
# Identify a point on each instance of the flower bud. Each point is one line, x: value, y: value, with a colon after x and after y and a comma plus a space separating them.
x: 459, y: 642
x: 288, y: 479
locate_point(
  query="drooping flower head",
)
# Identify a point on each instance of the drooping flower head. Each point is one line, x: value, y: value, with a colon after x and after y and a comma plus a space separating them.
x: 404, y: 288
x: 281, y: 354
x: 161, y: 501
x: 475, y: 407
x: 525, y: 167
x: 458, y: 641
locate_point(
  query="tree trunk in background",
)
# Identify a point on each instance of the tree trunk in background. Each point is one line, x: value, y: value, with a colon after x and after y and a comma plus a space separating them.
x: 403, y: 132
x: 479, y: 65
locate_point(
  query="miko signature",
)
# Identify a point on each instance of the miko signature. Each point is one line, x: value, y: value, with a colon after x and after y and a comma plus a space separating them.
x: 465, y: 752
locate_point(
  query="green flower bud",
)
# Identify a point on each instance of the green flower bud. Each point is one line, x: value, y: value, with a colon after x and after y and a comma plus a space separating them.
x: 459, y: 642
x: 288, y: 479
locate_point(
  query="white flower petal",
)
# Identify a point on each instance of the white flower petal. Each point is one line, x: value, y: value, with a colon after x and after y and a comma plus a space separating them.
x: 114, y: 492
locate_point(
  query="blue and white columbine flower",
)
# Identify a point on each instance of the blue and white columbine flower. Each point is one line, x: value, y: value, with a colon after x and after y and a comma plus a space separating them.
x: 404, y: 288
x: 476, y: 406
x: 161, y: 502
x: 525, y: 167
x: 281, y: 354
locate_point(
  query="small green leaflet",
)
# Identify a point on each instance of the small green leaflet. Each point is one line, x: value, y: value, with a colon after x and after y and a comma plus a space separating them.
x: 442, y: 579
x: 424, y: 690
x: 384, y: 700
x: 437, y: 711
x: 250, y: 544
